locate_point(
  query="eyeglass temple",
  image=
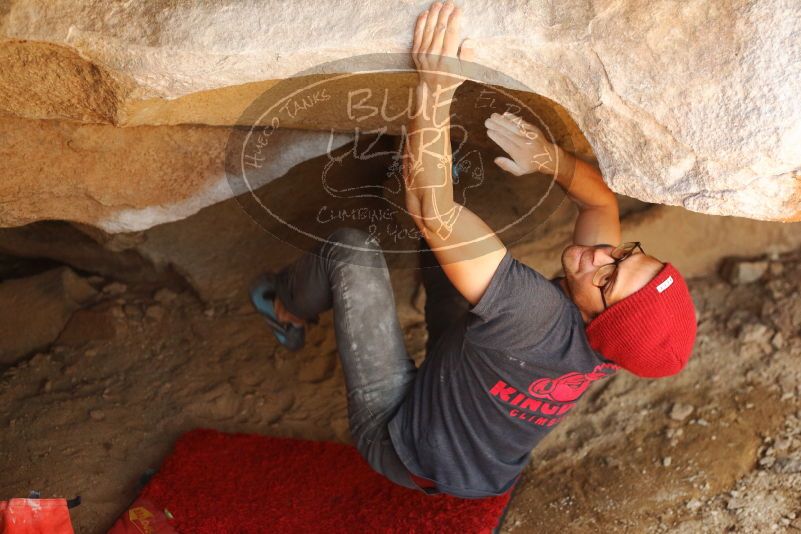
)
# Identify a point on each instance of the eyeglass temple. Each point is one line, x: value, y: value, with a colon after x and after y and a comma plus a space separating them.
x: 628, y: 250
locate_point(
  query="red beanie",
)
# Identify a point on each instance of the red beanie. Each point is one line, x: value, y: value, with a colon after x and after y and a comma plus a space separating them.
x: 651, y: 332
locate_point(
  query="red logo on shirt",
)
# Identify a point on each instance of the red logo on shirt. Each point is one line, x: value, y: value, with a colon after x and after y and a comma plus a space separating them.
x: 569, y: 387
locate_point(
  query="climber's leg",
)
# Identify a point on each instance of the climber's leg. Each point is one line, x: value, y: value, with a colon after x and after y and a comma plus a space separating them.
x: 349, y: 273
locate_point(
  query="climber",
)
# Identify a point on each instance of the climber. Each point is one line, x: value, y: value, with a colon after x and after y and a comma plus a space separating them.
x: 509, y: 352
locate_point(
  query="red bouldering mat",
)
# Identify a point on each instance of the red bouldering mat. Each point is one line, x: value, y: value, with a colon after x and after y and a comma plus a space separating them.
x: 215, y: 483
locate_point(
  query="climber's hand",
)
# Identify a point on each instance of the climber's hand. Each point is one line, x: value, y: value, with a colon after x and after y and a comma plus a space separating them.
x: 530, y: 151
x: 435, y: 50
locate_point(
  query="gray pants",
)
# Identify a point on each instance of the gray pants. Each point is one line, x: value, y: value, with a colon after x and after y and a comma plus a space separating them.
x: 349, y: 273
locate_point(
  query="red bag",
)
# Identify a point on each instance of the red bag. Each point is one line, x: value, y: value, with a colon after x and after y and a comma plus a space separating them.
x: 35, y: 516
x: 143, y: 517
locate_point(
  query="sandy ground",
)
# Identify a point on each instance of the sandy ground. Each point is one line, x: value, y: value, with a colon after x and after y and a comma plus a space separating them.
x: 717, y: 448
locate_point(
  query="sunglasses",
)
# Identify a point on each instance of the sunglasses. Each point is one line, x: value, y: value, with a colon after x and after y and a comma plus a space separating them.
x: 607, y: 274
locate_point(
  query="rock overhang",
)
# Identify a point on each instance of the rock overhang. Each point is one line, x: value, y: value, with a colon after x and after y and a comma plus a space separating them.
x: 683, y: 103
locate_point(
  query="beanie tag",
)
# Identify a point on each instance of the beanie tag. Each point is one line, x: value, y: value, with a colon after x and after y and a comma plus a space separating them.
x: 664, y: 285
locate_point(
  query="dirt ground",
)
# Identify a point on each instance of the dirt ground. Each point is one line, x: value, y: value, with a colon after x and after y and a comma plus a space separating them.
x: 717, y: 448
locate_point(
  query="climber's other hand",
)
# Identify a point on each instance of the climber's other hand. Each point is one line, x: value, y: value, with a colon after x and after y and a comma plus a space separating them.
x: 528, y: 148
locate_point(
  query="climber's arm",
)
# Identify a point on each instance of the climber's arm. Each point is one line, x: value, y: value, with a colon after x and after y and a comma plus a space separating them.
x: 531, y: 152
x: 598, y: 220
x: 428, y: 162
x: 466, y: 248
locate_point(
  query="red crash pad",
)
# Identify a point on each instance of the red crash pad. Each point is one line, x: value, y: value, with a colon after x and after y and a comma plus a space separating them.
x: 215, y: 483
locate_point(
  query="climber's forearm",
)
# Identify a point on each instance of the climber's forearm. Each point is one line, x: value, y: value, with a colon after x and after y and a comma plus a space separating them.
x: 465, y: 247
x: 428, y: 160
x: 584, y: 184
x: 598, y: 220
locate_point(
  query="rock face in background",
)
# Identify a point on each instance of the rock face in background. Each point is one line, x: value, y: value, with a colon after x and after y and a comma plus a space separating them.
x: 125, y: 179
x: 690, y: 103
x: 35, y: 310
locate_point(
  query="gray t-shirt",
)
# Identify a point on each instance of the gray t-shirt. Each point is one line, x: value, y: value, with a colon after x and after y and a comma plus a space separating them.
x: 495, y: 384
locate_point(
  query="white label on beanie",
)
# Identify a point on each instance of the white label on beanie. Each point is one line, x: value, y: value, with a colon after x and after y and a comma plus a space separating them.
x: 664, y: 285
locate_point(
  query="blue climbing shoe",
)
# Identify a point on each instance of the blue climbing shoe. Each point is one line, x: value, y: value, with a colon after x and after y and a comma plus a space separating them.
x: 262, y: 295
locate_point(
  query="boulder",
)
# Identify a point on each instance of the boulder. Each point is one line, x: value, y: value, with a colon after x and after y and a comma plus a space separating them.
x: 126, y: 179
x: 35, y: 310
x: 218, y: 251
x: 97, y: 323
x: 64, y: 243
x: 686, y: 103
